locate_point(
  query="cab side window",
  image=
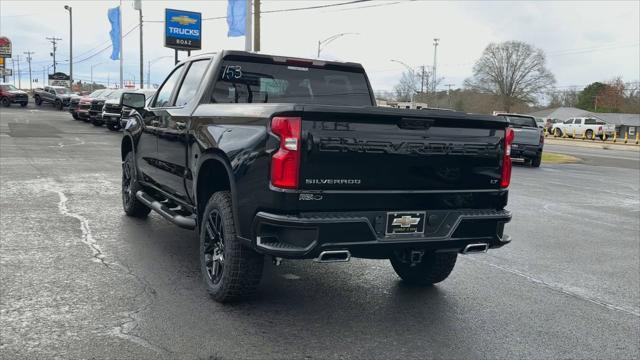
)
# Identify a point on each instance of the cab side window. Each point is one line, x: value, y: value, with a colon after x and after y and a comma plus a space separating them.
x: 191, y: 82
x: 578, y: 121
x: 163, y: 98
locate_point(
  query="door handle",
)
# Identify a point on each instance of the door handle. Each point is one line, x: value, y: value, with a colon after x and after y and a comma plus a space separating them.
x: 155, y: 122
x: 180, y: 125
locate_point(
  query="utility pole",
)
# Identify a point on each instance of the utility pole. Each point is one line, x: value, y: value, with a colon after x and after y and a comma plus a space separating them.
x: 19, y: 77
x: 29, y: 53
x: 44, y: 76
x: 435, y: 76
x: 248, y: 28
x: 13, y: 68
x: 256, y: 25
x: 137, y: 4
x: 70, y: 10
x: 449, y: 93
x: 149, y: 74
x: 422, y: 80
x: 54, y: 41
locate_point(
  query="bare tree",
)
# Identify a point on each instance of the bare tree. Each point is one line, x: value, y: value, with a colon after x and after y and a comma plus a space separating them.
x: 513, y: 71
x: 408, y: 85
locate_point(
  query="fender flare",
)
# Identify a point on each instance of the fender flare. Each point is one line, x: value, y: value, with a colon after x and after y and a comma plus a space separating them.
x: 217, y: 155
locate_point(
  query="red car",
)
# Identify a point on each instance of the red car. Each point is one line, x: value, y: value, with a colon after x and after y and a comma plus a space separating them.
x: 9, y: 94
x: 80, y: 109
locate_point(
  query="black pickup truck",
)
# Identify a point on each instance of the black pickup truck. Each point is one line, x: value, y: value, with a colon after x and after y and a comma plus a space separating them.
x: 291, y: 158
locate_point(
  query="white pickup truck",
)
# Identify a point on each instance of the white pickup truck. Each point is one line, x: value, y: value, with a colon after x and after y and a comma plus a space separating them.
x: 583, y: 125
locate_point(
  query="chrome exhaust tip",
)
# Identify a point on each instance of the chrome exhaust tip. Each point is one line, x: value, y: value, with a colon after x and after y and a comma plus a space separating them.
x: 475, y: 248
x: 333, y: 256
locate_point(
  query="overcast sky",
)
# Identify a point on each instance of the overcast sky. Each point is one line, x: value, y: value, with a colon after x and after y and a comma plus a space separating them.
x: 584, y: 41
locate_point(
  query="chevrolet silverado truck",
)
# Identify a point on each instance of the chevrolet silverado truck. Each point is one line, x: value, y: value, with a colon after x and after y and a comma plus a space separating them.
x: 58, y: 96
x: 528, y: 138
x: 584, y: 126
x: 291, y: 159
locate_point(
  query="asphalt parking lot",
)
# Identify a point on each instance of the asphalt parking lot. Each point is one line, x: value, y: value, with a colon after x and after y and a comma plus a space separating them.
x: 81, y: 280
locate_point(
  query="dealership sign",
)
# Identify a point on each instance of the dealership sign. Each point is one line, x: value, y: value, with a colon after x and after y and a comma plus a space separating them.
x: 5, y: 47
x: 182, y: 29
x: 60, y: 79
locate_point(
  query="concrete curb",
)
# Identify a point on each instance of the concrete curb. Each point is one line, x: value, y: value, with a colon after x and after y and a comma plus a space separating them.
x: 595, y: 144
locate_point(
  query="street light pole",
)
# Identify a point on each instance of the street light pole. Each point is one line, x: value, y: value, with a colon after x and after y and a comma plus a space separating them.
x: 412, y: 74
x: 70, y: 10
x: 330, y: 39
x: 149, y: 68
x: 92, y: 74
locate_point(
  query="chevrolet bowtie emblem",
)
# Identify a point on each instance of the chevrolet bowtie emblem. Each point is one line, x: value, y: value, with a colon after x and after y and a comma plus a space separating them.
x: 405, y: 221
x: 183, y: 20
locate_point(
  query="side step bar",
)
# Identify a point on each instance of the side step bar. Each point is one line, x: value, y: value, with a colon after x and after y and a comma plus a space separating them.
x: 165, y: 212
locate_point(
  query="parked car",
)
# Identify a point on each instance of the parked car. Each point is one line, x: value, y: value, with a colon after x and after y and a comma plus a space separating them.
x: 291, y: 158
x: 586, y: 126
x: 97, y: 104
x: 58, y: 96
x: 550, y: 123
x: 84, y: 105
x: 528, y: 139
x: 112, y: 110
x: 9, y: 94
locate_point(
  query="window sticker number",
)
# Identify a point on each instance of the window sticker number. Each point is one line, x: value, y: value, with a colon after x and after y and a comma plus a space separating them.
x: 230, y: 72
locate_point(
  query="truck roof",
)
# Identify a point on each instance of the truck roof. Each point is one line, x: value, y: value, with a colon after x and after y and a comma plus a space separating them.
x: 224, y: 53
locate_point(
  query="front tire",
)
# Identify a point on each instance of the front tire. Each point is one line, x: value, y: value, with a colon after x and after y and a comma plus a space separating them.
x: 231, y: 271
x: 130, y: 203
x: 434, y: 267
x: 6, y: 102
x: 24, y: 104
x: 75, y: 116
x: 589, y: 134
x: 113, y: 127
x: 59, y: 105
x: 38, y: 100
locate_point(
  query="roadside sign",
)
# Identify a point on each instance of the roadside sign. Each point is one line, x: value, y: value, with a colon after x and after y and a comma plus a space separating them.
x: 59, y: 79
x: 5, y: 47
x: 6, y: 72
x: 182, y: 29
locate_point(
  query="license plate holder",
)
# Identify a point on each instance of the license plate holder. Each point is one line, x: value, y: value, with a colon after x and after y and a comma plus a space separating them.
x: 405, y: 223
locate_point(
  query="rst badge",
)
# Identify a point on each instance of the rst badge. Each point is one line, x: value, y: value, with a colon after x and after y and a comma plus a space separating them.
x: 405, y: 223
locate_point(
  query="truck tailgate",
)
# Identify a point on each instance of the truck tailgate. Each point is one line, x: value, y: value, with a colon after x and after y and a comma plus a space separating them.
x: 400, y: 150
x: 526, y: 136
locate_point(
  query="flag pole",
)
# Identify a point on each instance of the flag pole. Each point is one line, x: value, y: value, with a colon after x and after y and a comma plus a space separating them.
x: 248, y: 41
x: 120, y: 25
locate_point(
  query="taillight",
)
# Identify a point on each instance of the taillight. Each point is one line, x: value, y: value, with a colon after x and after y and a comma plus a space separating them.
x: 505, y: 179
x: 285, y: 163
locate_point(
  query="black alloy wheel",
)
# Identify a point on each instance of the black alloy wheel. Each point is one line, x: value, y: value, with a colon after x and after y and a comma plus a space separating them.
x: 214, y: 247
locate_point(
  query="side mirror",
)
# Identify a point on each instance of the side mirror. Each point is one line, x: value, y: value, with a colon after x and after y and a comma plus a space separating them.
x: 133, y: 100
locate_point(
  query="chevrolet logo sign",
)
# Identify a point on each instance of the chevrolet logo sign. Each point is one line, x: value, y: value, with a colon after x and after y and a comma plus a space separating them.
x: 405, y: 221
x: 183, y: 20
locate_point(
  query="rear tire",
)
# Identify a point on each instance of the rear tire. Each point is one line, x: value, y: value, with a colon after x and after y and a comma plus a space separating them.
x: 130, y: 203
x: 536, y: 161
x: 38, y: 100
x: 434, y: 267
x: 557, y: 132
x: 231, y: 270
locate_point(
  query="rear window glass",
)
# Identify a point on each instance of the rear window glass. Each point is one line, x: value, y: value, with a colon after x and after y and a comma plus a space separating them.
x: 522, y: 121
x: 589, y: 121
x: 253, y: 82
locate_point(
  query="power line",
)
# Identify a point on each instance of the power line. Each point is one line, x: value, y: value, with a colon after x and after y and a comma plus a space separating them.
x: 285, y: 10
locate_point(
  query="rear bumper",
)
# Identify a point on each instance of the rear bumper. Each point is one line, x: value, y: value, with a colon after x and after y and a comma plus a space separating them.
x: 363, y: 233
x: 525, y: 151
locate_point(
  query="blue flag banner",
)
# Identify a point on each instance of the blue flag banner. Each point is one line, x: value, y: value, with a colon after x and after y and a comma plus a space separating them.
x: 114, y: 19
x: 236, y: 17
